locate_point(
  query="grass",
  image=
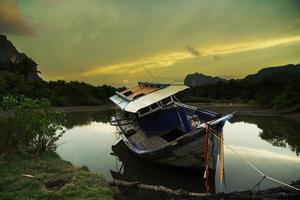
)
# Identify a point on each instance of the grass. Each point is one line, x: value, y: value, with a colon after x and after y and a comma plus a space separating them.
x: 80, y: 183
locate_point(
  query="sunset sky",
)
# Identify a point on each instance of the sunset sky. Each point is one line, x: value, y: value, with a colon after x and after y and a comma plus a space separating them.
x: 120, y: 42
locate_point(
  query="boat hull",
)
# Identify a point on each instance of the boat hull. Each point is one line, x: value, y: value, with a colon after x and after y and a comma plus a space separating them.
x: 187, y: 151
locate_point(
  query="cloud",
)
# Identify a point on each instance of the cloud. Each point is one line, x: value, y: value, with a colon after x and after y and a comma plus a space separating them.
x: 51, y: 2
x: 163, y: 60
x: 250, y: 46
x: 11, y: 20
x: 168, y: 59
x: 193, y: 51
x: 125, y: 81
x: 216, y: 57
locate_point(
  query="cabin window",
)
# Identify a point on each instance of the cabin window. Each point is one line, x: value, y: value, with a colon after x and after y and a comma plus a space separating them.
x: 128, y: 93
x: 147, y: 110
x: 144, y: 110
x: 154, y: 106
x: 139, y: 95
x: 175, y: 99
x: 166, y: 101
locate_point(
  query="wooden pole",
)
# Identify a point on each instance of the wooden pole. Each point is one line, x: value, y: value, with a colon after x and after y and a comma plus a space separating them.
x: 273, y: 193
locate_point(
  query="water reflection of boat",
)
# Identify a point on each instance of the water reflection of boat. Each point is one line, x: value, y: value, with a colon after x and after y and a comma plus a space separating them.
x: 156, y: 126
x: 135, y: 169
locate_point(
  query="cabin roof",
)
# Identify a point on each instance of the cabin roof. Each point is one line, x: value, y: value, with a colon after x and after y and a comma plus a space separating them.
x: 143, y: 95
x: 138, y: 91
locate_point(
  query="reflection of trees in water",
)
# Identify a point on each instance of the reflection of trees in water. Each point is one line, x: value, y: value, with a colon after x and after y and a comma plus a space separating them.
x: 86, y: 118
x: 275, y: 130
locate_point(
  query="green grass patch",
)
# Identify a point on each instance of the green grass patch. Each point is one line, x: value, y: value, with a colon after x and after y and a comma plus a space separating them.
x: 53, y: 178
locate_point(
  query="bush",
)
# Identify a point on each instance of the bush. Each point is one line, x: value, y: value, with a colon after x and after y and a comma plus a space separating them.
x: 29, y: 125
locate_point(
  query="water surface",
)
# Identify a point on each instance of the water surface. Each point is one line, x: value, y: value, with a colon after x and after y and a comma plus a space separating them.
x: 272, y: 144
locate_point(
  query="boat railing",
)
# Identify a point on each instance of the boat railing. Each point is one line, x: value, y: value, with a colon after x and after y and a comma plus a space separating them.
x: 120, y: 120
x: 194, y: 108
x: 186, y: 106
x: 196, y: 115
x: 190, y: 110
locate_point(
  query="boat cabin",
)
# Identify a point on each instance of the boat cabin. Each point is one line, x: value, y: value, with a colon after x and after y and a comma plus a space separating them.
x: 155, y: 110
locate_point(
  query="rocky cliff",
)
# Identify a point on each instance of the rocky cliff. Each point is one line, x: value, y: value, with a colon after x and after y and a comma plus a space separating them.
x: 9, y: 54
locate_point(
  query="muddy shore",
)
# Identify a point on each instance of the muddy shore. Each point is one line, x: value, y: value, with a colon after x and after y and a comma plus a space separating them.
x: 237, y: 109
x: 68, y: 109
x: 253, y: 110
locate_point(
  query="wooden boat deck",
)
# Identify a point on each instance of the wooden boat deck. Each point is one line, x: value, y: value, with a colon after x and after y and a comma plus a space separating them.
x: 140, y: 140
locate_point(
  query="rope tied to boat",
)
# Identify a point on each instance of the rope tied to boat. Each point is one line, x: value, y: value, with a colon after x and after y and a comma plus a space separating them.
x: 206, y: 158
x: 258, y: 184
x: 250, y: 164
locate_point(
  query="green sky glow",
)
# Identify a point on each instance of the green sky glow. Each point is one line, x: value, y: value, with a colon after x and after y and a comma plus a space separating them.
x: 119, y: 42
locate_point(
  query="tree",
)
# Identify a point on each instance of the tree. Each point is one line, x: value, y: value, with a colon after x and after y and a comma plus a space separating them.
x: 30, y: 125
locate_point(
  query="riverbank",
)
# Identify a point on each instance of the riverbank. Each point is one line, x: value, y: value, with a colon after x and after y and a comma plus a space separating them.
x: 251, y: 110
x: 49, y: 177
x: 68, y: 109
x: 72, y: 109
x: 239, y: 109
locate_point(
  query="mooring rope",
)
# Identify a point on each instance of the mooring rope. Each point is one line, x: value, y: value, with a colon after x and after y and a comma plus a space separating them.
x: 258, y: 184
x: 248, y: 162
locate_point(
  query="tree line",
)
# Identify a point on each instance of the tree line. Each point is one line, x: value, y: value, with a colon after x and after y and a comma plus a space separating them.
x: 14, y: 82
x: 279, y: 90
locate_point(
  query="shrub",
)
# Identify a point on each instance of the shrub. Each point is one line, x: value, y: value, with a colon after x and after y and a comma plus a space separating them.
x: 29, y: 125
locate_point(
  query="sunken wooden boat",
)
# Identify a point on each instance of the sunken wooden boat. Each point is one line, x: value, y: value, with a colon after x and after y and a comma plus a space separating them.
x: 156, y: 126
x: 133, y: 168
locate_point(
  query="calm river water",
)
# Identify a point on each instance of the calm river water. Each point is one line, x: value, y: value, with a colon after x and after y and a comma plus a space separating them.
x: 271, y: 144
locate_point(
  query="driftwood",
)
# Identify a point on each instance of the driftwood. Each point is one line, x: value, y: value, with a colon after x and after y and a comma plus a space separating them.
x: 28, y: 175
x: 272, y: 193
x: 154, y: 188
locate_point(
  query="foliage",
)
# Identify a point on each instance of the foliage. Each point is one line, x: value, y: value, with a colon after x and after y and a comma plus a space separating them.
x: 14, y: 81
x: 29, y: 125
x: 277, y: 91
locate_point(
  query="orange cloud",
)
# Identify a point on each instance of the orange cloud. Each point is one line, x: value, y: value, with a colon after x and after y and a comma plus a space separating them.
x: 163, y: 60
x: 11, y: 20
x: 168, y: 59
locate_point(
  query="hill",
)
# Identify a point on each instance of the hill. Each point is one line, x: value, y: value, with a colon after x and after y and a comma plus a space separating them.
x: 12, y: 60
x: 198, y: 79
x: 277, y: 87
x: 284, y: 71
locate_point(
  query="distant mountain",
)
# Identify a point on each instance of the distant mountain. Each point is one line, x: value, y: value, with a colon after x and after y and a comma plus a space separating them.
x: 283, y: 71
x: 198, y: 79
x: 10, y: 56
